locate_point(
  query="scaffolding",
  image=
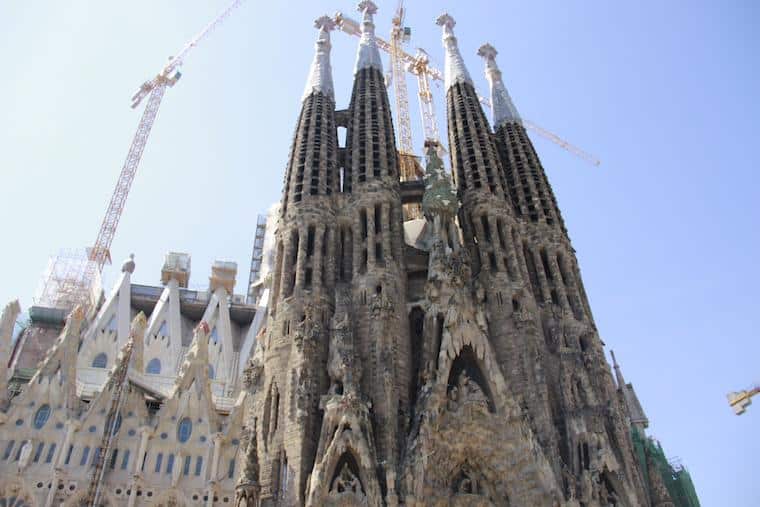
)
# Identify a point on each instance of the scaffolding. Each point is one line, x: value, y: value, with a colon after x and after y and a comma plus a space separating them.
x: 71, y: 278
x: 254, y: 288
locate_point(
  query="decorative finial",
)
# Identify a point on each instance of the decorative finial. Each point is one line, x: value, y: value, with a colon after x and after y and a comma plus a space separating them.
x: 324, y: 23
x: 320, y: 74
x: 129, y: 265
x: 455, y: 69
x: 368, y: 8
x: 368, y: 54
x: 487, y: 51
x: 447, y: 22
x: 503, y: 109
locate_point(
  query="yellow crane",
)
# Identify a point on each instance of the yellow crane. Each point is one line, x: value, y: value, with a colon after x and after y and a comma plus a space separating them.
x: 71, y: 282
x: 739, y: 401
x: 419, y: 66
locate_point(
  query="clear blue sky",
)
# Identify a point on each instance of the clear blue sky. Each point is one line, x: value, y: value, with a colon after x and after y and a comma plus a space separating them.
x: 664, y: 93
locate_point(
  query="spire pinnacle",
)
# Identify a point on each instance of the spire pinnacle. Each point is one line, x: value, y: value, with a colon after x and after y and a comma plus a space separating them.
x: 618, y: 372
x: 504, y: 110
x: 320, y: 75
x: 455, y: 70
x: 368, y: 55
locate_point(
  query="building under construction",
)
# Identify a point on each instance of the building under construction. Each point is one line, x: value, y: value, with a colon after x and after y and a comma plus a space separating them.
x: 407, y: 335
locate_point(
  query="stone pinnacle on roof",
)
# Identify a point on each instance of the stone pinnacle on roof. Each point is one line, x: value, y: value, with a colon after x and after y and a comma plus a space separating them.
x: 504, y: 110
x: 320, y: 75
x: 455, y: 69
x: 368, y: 55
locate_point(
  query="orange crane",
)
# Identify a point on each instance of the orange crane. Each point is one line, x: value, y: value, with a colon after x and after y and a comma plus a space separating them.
x: 419, y: 66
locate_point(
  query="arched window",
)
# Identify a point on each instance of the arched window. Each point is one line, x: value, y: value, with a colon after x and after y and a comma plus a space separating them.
x: 184, y: 429
x: 211, y: 372
x: 154, y: 366
x: 163, y: 330
x: 112, y: 326
x: 100, y: 360
x: 41, y: 417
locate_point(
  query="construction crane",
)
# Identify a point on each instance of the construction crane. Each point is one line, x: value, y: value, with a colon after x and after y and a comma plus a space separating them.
x: 410, y: 167
x: 739, y: 401
x: 419, y: 66
x: 427, y: 107
x: 154, y: 89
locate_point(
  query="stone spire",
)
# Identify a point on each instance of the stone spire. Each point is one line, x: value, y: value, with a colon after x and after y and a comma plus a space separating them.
x: 504, y: 110
x: 320, y: 76
x: 635, y: 410
x: 455, y: 69
x: 618, y: 373
x: 368, y: 55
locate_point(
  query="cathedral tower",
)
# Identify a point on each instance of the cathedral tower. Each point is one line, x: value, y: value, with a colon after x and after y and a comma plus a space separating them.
x: 302, y: 291
x: 378, y: 288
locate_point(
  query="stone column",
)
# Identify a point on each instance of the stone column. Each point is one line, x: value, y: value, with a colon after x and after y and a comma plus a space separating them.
x: 286, y: 266
x: 300, y: 264
x: 370, y: 237
x: 385, y: 216
x: 329, y: 264
x: 480, y: 233
x: 496, y: 244
x: 542, y: 280
x: 316, y: 259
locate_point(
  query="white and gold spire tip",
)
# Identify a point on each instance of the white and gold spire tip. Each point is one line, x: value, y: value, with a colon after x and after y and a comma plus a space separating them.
x: 320, y: 75
x: 455, y: 70
x: 368, y: 55
x: 503, y: 109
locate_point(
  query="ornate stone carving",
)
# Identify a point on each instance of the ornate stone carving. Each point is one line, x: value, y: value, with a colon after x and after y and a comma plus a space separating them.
x: 252, y: 374
x: 467, y: 392
x: 346, y: 483
x: 340, y: 366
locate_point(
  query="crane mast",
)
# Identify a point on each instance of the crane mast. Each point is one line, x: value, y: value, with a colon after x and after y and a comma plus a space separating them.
x: 400, y: 34
x: 427, y: 107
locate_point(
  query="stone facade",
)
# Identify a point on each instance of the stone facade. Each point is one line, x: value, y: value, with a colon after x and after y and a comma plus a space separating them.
x: 180, y: 422
x: 447, y: 360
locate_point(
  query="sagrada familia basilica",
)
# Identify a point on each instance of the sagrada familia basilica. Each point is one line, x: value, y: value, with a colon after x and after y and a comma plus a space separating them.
x: 445, y: 360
